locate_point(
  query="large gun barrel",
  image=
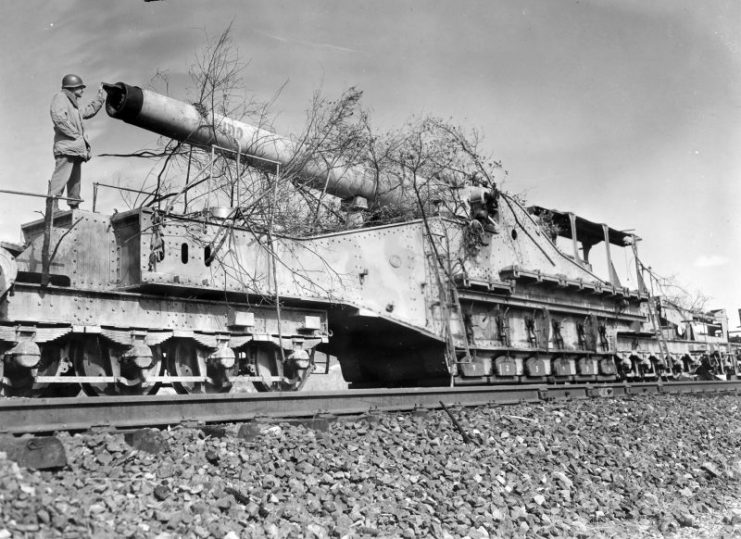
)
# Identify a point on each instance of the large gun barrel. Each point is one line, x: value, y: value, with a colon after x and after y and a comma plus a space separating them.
x: 183, y: 121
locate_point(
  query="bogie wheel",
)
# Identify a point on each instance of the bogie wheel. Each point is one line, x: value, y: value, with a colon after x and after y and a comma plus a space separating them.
x: 267, y: 363
x: 16, y: 381
x: 19, y: 382
x: 186, y: 358
x: 133, y: 379
x: 55, y: 361
x: 91, y: 358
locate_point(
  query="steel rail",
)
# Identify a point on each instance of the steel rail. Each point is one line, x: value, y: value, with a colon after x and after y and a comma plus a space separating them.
x: 20, y: 415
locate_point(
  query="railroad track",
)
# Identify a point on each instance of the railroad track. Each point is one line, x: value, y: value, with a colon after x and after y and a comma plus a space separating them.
x: 19, y: 416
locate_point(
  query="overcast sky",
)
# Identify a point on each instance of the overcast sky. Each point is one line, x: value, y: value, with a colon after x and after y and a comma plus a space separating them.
x: 625, y: 112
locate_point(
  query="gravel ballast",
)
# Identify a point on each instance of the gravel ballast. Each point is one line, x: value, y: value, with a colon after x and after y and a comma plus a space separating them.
x: 646, y: 466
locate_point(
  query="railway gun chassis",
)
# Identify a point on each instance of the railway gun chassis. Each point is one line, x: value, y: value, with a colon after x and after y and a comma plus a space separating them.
x: 126, y: 303
x: 134, y: 304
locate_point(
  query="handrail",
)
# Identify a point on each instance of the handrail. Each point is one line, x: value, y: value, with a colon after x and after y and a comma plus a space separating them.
x: 240, y: 155
x: 29, y: 194
x: 100, y: 184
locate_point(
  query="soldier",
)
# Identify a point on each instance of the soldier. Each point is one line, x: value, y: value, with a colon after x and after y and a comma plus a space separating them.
x: 71, y: 146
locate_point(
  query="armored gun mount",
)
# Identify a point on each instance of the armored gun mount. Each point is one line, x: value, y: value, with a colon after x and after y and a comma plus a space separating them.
x: 481, y: 297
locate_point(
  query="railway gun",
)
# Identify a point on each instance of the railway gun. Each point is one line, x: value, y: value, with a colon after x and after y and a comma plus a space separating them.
x: 484, y: 293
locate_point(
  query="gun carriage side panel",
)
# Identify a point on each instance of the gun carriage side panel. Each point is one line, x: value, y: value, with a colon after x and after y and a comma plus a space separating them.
x: 83, y: 250
x: 380, y: 271
x: 527, y: 308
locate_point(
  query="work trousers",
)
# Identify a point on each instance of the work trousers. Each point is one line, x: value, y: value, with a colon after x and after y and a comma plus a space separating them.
x: 67, y: 171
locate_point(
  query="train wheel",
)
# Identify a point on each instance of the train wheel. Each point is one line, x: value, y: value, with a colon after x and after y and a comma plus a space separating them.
x: 15, y: 381
x: 90, y: 357
x: 186, y: 358
x: 134, y: 380
x: 267, y: 364
x: 55, y: 361
x: 19, y: 382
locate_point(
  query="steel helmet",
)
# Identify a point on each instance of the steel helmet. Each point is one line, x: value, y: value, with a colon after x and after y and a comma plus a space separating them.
x: 72, y: 81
